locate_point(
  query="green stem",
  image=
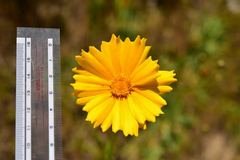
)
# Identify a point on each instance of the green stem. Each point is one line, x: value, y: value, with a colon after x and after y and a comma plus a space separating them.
x: 108, y: 150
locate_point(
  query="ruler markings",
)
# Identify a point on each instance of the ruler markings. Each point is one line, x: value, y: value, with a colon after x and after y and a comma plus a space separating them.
x: 20, y: 101
x: 28, y: 100
x: 51, y: 100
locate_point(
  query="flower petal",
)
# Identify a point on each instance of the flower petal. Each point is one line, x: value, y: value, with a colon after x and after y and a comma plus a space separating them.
x: 143, y: 126
x: 90, y: 79
x: 96, y: 101
x: 144, y: 55
x: 102, y: 117
x: 107, y: 122
x: 89, y: 87
x: 136, y: 52
x: 136, y: 110
x: 116, y: 122
x: 91, y: 64
x: 101, y: 111
x: 166, y: 77
x: 102, y: 58
x: 80, y: 70
x: 89, y: 93
x: 148, y: 115
x: 129, y: 123
x: 85, y: 100
x: 164, y: 89
x: 116, y: 46
x: 152, y: 96
x: 124, y: 56
x: 148, y: 104
x: 146, y: 73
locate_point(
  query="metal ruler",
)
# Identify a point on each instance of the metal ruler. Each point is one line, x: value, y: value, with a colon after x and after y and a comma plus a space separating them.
x: 38, y: 95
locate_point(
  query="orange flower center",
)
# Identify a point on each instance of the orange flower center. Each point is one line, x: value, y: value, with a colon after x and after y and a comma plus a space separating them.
x: 121, y: 87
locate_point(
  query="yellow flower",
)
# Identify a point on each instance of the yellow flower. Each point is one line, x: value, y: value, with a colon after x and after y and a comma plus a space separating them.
x: 120, y: 86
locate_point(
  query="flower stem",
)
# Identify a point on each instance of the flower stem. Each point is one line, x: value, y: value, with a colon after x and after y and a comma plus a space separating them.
x: 109, y: 148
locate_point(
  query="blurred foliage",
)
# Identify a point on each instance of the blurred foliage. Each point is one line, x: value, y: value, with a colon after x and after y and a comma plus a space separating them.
x: 199, y: 39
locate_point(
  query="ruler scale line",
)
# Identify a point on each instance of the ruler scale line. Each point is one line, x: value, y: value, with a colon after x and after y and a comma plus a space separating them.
x: 20, y: 101
x: 51, y: 100
x: 28, y: 101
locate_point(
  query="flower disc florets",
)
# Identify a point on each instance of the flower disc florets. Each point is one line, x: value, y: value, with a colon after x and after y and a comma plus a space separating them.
x: 121, y: 87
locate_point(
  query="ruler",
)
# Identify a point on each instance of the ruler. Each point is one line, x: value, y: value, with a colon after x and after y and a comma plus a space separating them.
x: 38, y: 95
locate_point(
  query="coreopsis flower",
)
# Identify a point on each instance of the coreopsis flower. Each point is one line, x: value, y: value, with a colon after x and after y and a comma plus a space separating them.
x: 120, y: 86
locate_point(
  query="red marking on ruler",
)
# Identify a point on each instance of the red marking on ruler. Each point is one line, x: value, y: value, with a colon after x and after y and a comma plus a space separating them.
x: 37, y: 84
x: 42, y: 55
x: 36, y: 53
x: 36, y: 115
x: 42, y: 87
x: 43, y: 114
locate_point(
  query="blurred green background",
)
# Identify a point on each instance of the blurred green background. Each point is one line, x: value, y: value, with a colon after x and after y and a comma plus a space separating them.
x: 199, y: 39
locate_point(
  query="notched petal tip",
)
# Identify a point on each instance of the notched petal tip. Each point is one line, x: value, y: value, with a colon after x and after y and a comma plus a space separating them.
x: 113, y: 38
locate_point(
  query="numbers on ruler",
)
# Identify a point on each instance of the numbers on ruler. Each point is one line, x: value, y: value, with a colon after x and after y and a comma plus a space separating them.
x: 50, y: 76
x: 51, y: 144
x: 28, y: 59
x: 51, y: 109
x: 28, y: 128
x: 28, y: 145
x: 28, y: 92
x: 28, y: 109
x: 28, y: 44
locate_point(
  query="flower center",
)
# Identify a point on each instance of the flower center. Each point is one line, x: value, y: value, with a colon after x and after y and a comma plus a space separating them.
x: 121, y: 87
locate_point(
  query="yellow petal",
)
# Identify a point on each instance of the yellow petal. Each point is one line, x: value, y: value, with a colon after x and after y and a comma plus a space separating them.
x: 89, y: 93
x: 89, y: 63
x: 89, y: 87
x: 103, y: 59
x: 164, y: 89
x: 107, y: 122
x: 132, y: 56
x: 136, y: 110
x: 81, y: 71
x: 104, y: 114
x: 90, y: 79
x: 116, y: 123
x: 145, y: 73
x: 165, y: 81
x: 115, y: 50
x: 96, y: 101
x: 124, y: 57
x: 143, y: 126
x: 167, y: 74
x: 152, y: 96
x: 166, y: 77
x: 148, y: 104
x: 144, y: 55
x: 85, y: 100
x: 101, y: 111
x: 129, y: 123
x: 105, y: 49
x: 148, y: 115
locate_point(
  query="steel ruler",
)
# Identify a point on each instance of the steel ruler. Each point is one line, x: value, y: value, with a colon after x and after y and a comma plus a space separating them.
x: 38, y: 131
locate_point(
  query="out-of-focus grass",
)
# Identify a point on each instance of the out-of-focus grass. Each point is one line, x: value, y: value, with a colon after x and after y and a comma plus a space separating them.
x: 197, y: 39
